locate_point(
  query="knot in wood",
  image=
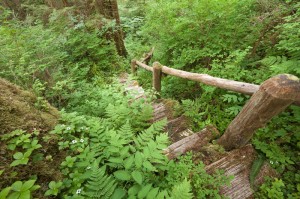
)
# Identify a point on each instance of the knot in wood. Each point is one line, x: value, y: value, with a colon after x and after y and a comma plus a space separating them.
x: 283, y: 86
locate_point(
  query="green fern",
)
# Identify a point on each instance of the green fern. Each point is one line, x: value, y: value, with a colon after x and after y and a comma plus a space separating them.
x: 182, y: 190
x: 126, y: 132
x: 160, y: 125
x: 281, y: 64
x: 99, y: 184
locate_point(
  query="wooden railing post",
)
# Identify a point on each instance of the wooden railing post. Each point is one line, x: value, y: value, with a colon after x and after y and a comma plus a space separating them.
x: 273, y: 96
x: 157, y: 76
x: 133, y: 67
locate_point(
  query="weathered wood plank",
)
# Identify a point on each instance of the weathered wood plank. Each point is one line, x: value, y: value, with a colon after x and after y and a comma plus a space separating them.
x: 191, y: 143
x: 237, y: 163
x: 159, y: 112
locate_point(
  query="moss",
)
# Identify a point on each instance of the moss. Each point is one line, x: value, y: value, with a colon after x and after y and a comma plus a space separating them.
x: 17, y: 110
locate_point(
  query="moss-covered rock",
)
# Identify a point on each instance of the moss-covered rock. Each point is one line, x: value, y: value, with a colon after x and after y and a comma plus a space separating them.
x: 18, y: 110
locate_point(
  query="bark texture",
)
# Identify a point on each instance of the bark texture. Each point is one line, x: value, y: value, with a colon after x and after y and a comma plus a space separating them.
x: 145, y: 66
x: 157, y: 76
x: 133, y: 67
x: 273, y: 96
x: 236, y: 86
x: 109, y: 9
x: 15, y: 6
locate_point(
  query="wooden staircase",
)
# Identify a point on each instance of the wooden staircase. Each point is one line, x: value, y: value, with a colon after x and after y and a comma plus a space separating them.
x: 235, y: 163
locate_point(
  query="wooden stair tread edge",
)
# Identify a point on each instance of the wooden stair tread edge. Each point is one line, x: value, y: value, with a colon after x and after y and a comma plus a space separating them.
x: 238, y: 163
x: 192, y: 142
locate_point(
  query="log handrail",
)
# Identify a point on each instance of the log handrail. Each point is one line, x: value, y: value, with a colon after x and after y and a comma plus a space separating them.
x: 268, y: 99
x: 232, y: 85
x: 236, y: 86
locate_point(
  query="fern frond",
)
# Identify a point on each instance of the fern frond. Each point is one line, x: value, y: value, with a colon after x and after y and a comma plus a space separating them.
x: 143, y: 138
x: 160, y: 125
x: 182, y: 190
x: 126, y: 132
x: 99, y: 185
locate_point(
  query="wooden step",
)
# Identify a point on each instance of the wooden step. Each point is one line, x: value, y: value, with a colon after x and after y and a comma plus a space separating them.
x: 192, y: 142
x: 238, y: 163
x: 159, y: 112
x: 132, y: 87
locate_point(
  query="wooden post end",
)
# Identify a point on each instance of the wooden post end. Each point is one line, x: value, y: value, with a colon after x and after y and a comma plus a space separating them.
x: 133, y: 67
x: 157, y: 72
x: 273, y: 96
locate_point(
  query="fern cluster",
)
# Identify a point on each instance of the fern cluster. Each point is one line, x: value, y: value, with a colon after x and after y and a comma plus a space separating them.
x: 99, y: 185
x: 117, y: 156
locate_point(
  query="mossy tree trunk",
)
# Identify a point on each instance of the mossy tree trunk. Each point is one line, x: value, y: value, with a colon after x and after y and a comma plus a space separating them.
x: 15, y: 6
x: 109, y: 9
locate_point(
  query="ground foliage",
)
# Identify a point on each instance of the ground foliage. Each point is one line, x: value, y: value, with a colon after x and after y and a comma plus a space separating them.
x: 66, y: 55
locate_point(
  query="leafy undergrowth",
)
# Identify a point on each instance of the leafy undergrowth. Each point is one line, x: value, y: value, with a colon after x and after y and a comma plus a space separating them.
x: 113, y: 153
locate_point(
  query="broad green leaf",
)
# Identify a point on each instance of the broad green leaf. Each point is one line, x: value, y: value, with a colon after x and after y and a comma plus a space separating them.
x: 116, y: 160
x: 14, y: 195
x: 18, y: 155
x: 144, y: 191
x: 35, y: 187
x: 138, y: 159
x: 137, y: 176
x: 1, y: 171
x: 27, y: 185
x: 16, y: 186
x: 124, y: 151
x: 49, y: 192
x: 52, y: 185
x: 122, y: 175
x: 25, y: 195
x: 128, y: 162
x: 27, y: 153
x: 149, y: 166
x: 152, y: 193
x: 134, y: 190
x: 17, y: 162
x: 118, y: 194
x: 4, y: 192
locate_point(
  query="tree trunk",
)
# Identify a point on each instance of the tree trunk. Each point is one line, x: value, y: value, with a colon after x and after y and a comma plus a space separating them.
x: 14, y: 5
x: 109, y: 9
x: 273, y: 96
